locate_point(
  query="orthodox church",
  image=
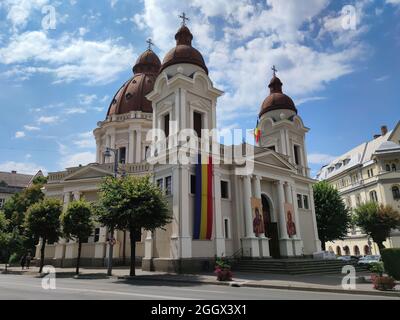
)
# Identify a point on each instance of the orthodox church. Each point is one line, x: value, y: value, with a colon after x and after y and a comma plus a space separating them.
x: 217, y: 208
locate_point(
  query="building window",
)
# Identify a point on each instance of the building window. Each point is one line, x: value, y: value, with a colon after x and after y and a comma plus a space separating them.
x: 197, y: 123
x: 166, y: 125
x: 224, y: 190
x: 396, y: 193
x: 160, y: 184
x: 373, y: 196
x: 394, y: 168
x: 305, y: 201
x: 358, y: 200
x: 193, y: 184
x: 2, y: 201
x: 168, y: 186
x: 299, y: 201
x: 273, y: 148
x: 146, y: 152
x: 388, y: 167
x: 226, y: 228
x: 122, y: 155
x: 96, y: 235
x: 296, y: 150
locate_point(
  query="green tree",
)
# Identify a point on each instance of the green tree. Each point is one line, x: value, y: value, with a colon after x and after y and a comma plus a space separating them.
x: 333, y: 218
x: 77, y: 222
x: 15, y: 208
x: 40, y: 180
x: 132, y: 204
x: 377, y: 220
x: 43, y: 221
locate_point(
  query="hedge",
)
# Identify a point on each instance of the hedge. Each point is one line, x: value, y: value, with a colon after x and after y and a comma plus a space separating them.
x: 391, y: 260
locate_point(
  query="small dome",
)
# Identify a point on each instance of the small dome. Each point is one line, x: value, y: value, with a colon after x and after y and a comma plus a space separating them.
x: 277, y: 100
x: 184, y: 52
x: 132, y: 95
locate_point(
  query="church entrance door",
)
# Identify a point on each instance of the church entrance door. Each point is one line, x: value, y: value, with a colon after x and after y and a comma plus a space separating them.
x: 271, y: 229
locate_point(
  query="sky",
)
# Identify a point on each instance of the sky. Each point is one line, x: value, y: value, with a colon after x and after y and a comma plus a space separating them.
x: 61, y: 62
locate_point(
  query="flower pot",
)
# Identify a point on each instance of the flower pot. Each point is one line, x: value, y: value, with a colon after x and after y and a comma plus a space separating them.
x: 223, y: 274
x: 384, y: 283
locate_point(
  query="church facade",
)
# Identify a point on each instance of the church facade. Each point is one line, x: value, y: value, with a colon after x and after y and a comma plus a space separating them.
x: 259, y: 207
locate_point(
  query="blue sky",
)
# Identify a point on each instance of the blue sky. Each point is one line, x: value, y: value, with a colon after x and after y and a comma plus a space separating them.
x: 57, y: 83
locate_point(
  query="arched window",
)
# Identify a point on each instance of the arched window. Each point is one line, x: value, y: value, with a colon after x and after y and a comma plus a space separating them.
x: 388, y: 167
x: 366, y: 250
x: 356, y: 251
x: 338, y: 251
x: 346, y: 250
x: 396, y: 192
x: 394, y: 168
x: 373, y: 196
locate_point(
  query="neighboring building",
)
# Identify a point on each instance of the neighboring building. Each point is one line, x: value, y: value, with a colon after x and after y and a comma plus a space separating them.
x: 369, y: 172
x: 13, y: 182
x: 268, y: 212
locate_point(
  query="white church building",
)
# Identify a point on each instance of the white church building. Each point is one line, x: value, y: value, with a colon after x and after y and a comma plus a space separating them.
x: 262, y: 208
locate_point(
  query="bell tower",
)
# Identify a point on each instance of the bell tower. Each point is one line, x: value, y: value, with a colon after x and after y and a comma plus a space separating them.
x: 282, y: 129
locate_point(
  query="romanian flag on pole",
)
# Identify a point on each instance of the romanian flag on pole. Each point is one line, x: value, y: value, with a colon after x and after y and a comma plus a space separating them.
x: 203, y: 219
x: 257, y: 132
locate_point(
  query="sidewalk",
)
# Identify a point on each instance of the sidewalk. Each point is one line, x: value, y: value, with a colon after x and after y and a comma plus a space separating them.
x: 316, y: 283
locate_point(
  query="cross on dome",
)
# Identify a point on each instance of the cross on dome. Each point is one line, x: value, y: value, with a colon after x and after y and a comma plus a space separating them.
x: 274, y: 69
x: 184, y: 18
x: 150, y: 43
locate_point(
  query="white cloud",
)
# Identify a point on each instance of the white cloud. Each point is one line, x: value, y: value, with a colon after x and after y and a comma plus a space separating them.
x: 48, y: 120
x: 67, y: 58
x: 308, y: 99
x: 383, y: 78
x: 320, y: 158
x: 20, y: 134
x: 21, y: 167
x: 87, y: 99
x: 75, y: 111
x: 393, y: 1
x: 19, y: 11
x: 77, y: 159
x: 31, y: 128
x: 253, y: 37
x: 85, y: 140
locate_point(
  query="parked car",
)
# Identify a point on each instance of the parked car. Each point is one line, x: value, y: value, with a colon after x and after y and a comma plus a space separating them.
x: 348, y: 258
x: 368, y: 260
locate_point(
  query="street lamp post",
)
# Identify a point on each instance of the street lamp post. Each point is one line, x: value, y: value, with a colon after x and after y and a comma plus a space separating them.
x: 108, y: 154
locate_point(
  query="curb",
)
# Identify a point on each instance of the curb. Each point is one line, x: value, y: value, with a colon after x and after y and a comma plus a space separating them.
x: 231, y: 284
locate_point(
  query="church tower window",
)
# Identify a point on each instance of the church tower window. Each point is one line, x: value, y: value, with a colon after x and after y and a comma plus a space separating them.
x: 297, y: 154
x: 122, y: 155
x: 197, y: 123
x: 166, y: 125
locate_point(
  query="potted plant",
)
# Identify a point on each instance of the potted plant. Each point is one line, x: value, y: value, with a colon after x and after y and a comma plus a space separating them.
x: 223, y: 270
x: 380, y: 281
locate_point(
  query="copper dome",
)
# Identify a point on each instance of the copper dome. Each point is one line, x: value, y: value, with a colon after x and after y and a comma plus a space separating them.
x: 132, y: 95
x: 184, y: 52
x: 277, y: 100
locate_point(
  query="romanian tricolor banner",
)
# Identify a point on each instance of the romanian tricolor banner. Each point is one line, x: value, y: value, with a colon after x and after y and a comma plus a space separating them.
x: 257, y: 132
x: 203, y: 218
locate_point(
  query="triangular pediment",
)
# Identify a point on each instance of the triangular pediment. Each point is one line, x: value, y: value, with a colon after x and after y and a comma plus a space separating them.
x: 88, y: 172
x: 273, y: 159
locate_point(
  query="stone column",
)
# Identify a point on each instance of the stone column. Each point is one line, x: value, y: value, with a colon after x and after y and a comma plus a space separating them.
x: 247, y: 207
x: 285, y: 243
x: 219, y: 231
x: 250, y: 243
x: 77, y: 195
x: 131, y: 156
x: 298, y: 242
x: 138, y: 145
x: 175, y: 247
x: 281, y: 208
x: 263, y: 241
x: 183, y: 194
x: 314, y: 219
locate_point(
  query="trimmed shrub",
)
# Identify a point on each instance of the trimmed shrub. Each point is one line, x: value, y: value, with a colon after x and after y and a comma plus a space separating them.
x: 391, y: 260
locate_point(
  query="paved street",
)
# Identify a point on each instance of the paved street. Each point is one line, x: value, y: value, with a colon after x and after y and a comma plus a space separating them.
x: 28, y: 288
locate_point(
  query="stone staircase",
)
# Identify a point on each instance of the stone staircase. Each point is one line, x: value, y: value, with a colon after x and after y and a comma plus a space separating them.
x: 292, y: 266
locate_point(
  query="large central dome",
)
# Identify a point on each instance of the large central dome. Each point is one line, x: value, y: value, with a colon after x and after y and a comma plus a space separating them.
x: 132, y: 95
x: 184, y: 52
